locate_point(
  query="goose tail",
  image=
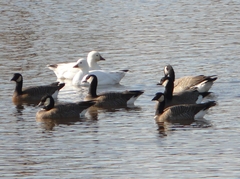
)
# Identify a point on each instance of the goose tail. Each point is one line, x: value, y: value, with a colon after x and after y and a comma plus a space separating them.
x: 136, y: 94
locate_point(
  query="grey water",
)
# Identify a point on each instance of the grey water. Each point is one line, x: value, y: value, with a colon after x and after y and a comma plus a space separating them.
x: 195, y: 37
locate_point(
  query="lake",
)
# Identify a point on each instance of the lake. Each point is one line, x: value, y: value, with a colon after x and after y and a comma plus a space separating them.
x: 195, y: 37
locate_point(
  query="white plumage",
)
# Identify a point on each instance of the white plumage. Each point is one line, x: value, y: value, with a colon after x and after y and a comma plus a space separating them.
x: 104, y: 77
x: 66, y: 70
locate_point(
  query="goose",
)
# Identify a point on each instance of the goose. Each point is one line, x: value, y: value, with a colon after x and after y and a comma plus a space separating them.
x: 66, y: 70
x: 201, y: 82
x: 110, y: 99
x: 104, y: 77
x: 179, y: 113
x: 61, y: 111
x: 190, y: 96
x: 33, y: 93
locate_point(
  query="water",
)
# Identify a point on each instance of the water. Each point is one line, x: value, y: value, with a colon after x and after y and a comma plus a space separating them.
x: 197, y: 37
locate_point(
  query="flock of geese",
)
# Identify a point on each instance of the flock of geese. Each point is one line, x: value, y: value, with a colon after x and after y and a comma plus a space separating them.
x: 181, y: 101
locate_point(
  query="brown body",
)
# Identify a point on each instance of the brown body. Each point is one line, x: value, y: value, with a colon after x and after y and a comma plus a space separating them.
x: 201, y: 82
x: 110, y: 99
x: 33, y: 94
x: 62, y: 111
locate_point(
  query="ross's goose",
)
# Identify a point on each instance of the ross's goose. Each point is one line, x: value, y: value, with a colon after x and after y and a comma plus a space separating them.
x: 104, y: 77
x: 66, y: 70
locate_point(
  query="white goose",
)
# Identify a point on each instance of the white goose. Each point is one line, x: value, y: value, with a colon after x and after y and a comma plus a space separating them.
x: 104, y: 77
x: 66, y: 70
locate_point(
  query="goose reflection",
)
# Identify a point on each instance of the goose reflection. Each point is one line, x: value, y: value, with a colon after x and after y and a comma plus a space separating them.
x: 165, y: 127
x: 95, y: 111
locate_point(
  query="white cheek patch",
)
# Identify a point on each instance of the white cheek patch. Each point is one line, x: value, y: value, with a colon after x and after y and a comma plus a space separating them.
x: 19, y: 79
x: 161, y: 98
x: 90, y: 80
x: 165, y: 70
x: 47, y: 102
x: 165, y: 83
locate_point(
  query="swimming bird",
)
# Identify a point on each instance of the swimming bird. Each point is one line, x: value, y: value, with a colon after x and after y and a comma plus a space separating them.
x: 190, y: 96
x: 179, y: 113
x: 110, y: 99
x: 104, y: 77
x: 66, y: 70
x: 201, y: 82
x: 33, y: 93
x: 62, y: 111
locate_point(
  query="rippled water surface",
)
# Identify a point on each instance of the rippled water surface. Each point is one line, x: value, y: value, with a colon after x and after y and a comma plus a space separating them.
x: 196, y: 37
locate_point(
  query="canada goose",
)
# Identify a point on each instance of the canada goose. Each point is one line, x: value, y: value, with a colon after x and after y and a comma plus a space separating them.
x: 179, y: 113
x: 34, y: 93
x: 110, y: 99
x: 104, y: 77
x: 66, y: 70
x: 190, y: 96
x: 201, y: 82
x: 61, y: 111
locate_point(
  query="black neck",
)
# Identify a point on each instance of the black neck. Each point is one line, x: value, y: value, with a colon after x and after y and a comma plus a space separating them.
x: 160, y: 107
x: 93, y: 87
x: 168, y: 93
x: 18, y: 87
x: 172, y: 74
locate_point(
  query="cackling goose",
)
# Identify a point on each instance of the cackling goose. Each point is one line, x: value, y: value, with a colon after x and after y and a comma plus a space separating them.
x: 190, y: 96
x: 179, y: 113
x: 201, y: 82
x: 62, y: 111
x: 110, y: 99
x: 34, y: 93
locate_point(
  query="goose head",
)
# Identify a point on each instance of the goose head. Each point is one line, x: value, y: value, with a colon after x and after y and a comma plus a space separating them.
x: 168, y: 83
x: 168, y: 71
x: 47, y: 102
x: 92, y: 59
x: 82, y: 64
x: 158, y: 97
x: 17, y: 77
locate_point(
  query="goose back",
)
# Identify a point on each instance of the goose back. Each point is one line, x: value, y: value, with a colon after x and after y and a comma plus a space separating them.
x: 200, y: 82
x: 64, y: 70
